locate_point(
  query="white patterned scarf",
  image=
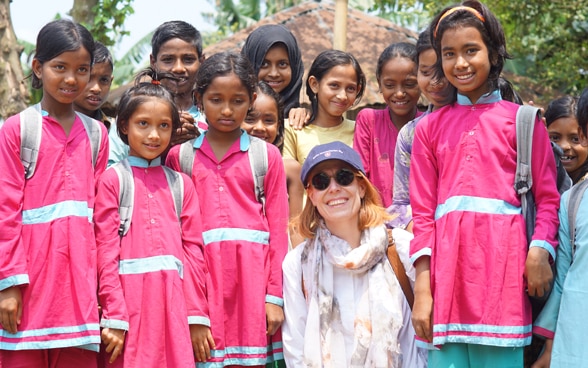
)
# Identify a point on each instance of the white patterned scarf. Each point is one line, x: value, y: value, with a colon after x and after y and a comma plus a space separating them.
x: 378, y: 317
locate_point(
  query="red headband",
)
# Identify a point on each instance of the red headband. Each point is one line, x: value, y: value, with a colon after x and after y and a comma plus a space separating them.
x: 453, y: 10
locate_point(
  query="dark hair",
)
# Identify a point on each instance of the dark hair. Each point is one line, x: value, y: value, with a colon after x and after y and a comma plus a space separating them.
x: 394, y: 50
x: 490, y: 29
x: 139, y: 94
x: 225, y: 63
x: 582, y: 110
x: 507, y: 91
x: 102, y: 55
x: 260, y: 41
x: 323, y: 63
x: 60, y: 36
x: 176, y: 29
x: 265, y: 89
x: 423, y: 44
x: 563, y: 107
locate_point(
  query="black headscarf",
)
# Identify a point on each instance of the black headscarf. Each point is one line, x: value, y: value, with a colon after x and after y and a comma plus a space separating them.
x: 257, y: 45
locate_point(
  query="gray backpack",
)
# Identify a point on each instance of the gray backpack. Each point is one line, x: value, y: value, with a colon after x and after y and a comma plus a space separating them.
x: 257, y: 160
x: 126, y: 196
x: 576, y: 194
x: 31, y: 128
x: 525, y: 123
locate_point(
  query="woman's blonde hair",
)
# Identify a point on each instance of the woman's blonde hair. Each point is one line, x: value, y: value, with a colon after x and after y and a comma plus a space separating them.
x: 371, y: 212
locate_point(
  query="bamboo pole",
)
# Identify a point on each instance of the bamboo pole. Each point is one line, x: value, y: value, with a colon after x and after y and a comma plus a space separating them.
x: 340, y: 27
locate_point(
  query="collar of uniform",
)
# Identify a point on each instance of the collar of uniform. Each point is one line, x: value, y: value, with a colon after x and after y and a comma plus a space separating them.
x: 141, y: 162
x: 196, y: 114
x: 244, y: 141
x: 487, y: 98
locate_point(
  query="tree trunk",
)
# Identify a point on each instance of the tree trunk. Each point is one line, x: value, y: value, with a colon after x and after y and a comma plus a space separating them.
x: 82, y: 11
x: 13, y: 90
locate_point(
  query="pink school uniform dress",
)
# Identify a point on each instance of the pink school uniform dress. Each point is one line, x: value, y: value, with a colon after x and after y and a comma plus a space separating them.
x: 375, y: 141
x: 47, y: 242
x: 153, y: 280
x: 467, y: 217
x: 243, y: 248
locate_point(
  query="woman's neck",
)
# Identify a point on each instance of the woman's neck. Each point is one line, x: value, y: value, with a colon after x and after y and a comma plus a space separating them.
x: 347, y: 231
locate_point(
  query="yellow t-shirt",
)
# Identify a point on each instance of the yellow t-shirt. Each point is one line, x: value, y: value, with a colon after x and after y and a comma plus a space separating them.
x: 298, y: 143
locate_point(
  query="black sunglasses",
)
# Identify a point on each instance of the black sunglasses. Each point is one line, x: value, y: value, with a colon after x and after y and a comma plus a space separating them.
x: 343, y: 177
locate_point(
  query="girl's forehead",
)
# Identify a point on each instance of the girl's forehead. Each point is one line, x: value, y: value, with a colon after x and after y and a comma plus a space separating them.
x: 229, y: 83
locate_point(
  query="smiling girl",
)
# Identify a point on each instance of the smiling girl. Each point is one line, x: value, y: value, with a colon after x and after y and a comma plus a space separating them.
x: 376, y: 131
x: 564, y: 131
x: 335, y: 83
x: 474, y: 266
x: 152, y: 284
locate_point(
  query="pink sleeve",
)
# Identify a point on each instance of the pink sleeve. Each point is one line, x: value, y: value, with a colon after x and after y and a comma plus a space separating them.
x: 106, y: 224
x: 195, y: 271
x: 362, y: 138
x: 424, y: 180
x: 277, y: 212
x: 13, y: 258
x: 544, y: 190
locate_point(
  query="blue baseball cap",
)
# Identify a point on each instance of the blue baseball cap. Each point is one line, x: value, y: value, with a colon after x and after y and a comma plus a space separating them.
x: 330, y: 151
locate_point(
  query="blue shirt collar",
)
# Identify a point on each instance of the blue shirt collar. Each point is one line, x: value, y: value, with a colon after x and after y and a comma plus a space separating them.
x: 490, y: 97
x: 141, y: 162
x: 244, y: 141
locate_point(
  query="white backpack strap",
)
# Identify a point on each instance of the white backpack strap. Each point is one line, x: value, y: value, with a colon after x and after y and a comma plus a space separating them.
x: 525, y: 124
x: 126, y: 196
x: 176, y: 186
x: 94, y: 131
x: 258, y: 162
x: 31, y: 128
x: 576, y: 194
x: 186, y: 158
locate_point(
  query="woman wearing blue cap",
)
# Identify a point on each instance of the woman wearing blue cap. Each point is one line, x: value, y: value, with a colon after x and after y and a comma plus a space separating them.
x: 343, y: 305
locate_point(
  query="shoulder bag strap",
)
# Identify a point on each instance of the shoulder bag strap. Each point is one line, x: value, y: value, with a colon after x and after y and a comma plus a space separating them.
x: 399, y: 270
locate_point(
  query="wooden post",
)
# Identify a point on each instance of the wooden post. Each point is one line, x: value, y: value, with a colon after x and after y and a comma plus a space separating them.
x: 340, y: 28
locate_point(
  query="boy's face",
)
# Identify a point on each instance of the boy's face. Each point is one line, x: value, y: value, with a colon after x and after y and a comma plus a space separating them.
x: 96, y: 91
x: 180, y: 58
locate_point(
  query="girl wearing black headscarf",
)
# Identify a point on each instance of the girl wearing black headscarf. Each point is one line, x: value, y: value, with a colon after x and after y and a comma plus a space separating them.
x: 273, y: 51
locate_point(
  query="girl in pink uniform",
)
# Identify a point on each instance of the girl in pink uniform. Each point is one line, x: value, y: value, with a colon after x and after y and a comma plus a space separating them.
x: 470, y: 250
x: 151, y: 280
x: 244, y: 245
x: 376, y: 131
x: 48, y: 306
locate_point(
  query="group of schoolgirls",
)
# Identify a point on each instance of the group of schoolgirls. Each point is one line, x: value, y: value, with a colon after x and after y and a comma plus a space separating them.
x: 190, y: 269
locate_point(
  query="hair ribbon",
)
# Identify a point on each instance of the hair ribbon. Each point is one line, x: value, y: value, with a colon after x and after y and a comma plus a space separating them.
x: 155, y: 82
x: 453, y: 10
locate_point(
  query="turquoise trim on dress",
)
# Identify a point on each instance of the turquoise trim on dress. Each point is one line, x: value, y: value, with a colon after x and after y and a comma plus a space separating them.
x: 483, y: 328
x: 13, y: 281
x: 150, y: 264
x: 114, y: 323
x: 56, y: 211
x: 51, y: 331
x: 420, y: 253
x: 87, y: 342
x: 476, y: 204
x: 274, y: 300
x: 197, y: 320
x: 545, y: 245
x: 226, y: 234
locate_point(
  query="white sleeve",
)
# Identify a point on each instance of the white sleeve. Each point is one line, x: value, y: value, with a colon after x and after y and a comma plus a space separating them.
x: 295, y: 309
x: 402, y: 240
